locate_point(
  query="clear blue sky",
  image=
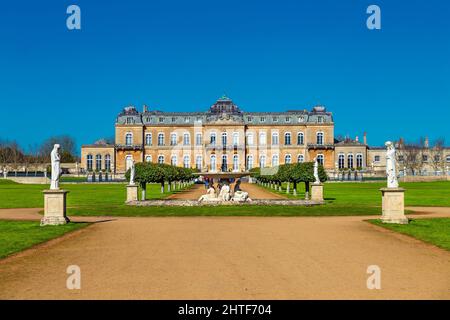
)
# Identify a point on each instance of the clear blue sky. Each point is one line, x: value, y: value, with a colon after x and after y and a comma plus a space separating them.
x: 265, y: 55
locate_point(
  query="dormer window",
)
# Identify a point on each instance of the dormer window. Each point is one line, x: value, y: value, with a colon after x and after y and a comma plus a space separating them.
x: 148, y: 119
x: 275, y: 119
x: 301, y: 119
x: 174, y: 119
x: 161, y: 119
x: 262, y: 119
x: 186, y: 119
x: 288, y: 119
x: 249, y: 119
x: 129, y: 120
x: 320, y: 119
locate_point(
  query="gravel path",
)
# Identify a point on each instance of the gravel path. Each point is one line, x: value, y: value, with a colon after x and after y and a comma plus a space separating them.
x: 229, y: 258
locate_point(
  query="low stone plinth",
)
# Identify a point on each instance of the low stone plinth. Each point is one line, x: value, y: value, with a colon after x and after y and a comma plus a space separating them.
x: 393, y: 205
x: 132, y: 192
x: 317, y: 192
x: 54, y: 207
x: 195, y: 203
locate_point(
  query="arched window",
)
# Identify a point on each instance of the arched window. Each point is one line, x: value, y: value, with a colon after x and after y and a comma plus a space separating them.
x: 250, y: 140
x: 262, y: 139
x: 98, y: 162
x: 212, y: 139
x: 129, y: 139
x: 173, y: 160
x: 359, y: 160
x: 235, y: 138
x: 198, y: 162
x: 148, y: 158
x: 319, y: 137
x: 300, y: 138
x: 341, y: 161
x: 160, y: 139
x: 287, y: 159
x: 186, y: 162
x: 161, y: 159
x: 224, y: 139
x: 275, y: 161
x: 148, y: 139
x: 287, y: 138
x: 275, y: 141
x: 173, y: 139
x: 186, y: 139
x: 198, y: 139
x: 213, y: 163
x: 224, y: 167
x: 89, y: 162
x: 350, y: 161
x: 108, y: 162
x: 300, y: 158
x: 235, y: 162
x: 249, y: 162
x: 262, y: 161
x: 320, y: 159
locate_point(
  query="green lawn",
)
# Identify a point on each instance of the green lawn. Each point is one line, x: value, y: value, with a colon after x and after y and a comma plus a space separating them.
x: 108, y: 199
x: 16, y: 236
x: 435, y: 230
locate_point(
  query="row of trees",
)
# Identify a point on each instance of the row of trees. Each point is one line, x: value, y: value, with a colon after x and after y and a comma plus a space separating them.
x: 14, y: 158
x: 294, y: 173
x: 148, y: 172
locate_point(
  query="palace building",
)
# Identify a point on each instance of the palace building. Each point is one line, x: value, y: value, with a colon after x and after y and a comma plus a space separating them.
x: 224, y: 138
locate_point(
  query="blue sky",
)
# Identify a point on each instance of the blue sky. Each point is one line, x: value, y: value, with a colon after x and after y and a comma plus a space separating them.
x: 265, y: 55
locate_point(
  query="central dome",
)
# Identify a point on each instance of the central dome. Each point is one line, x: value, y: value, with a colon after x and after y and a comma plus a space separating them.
x: 224, y: 105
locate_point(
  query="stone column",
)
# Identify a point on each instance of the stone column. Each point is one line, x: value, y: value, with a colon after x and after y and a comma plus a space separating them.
x: 393, y: 205
x: 317, y: 191
x: 132, y: 192
x: 54, y: 207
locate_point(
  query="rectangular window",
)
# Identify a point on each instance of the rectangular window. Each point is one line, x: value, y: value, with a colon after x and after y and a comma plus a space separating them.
x: 262, y: 119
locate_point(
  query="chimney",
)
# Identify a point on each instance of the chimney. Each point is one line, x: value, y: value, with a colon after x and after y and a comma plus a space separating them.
x: 365, y: 138
x: 357, y: 139
x: 426, y: 143
x: 145, y: 108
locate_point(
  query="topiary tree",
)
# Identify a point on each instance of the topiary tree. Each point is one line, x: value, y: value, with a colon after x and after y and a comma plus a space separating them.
x: 147, y: 172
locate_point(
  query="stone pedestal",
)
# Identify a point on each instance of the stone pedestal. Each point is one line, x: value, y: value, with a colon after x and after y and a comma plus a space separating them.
x: 393, y: 205
x: 132, y: 192
x: 317, y: 192
x: 54, y: 207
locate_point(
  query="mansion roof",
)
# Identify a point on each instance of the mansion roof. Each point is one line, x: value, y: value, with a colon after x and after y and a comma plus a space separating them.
x: 223, y: 110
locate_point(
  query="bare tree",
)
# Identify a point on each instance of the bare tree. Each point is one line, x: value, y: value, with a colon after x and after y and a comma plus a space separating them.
x: 437, y: 154
x: 409, y: 154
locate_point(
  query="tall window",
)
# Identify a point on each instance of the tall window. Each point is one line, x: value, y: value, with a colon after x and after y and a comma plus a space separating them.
x: 250, y: 141
x: 160, y: 159
x: 213, y: 163
x: 262, y: 161
x: 224, y: 139
x: 198, y: 139
x: 148, y: 158
x: 275, y: 161
x: 262, y: 139
x: 186, y: 139
x: 98, y: 162
x: 300, y: 158
x: 287, y: 159
x: 300, y: 138
x: 108, y: 162
x: 173, y: 160
x: 287, y: 138
x: 249, y: 162
x: 173, y: 139
x: 359, y: 161
x: 148, y: 139
x: 341, y: 161
x: 129, y: 139
x: 198, y: 162
x: 350, y: 161
x: 160, y: 139
x: 319, y: 137
x: 235, y: 162
x: 235, y: 138
x: 275, y: 138
x: 320, y: 159
x: 186, y: 162
x: 89, y: 162
x: 224, y: 163
x: 212, y: 139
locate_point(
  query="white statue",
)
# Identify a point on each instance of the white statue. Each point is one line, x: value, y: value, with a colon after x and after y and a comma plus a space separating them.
x: 132, y: 173
x: 225, y: 194
x: 209, y: 196
x: 316, y: 171
x: 56, y: 167
x: 391, y: 171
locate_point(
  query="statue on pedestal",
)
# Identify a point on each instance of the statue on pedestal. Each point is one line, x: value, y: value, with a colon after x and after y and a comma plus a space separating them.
x: 391, y: 171
x: 56, y: 167
x: 132, y: 173
x: 316, y: 171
